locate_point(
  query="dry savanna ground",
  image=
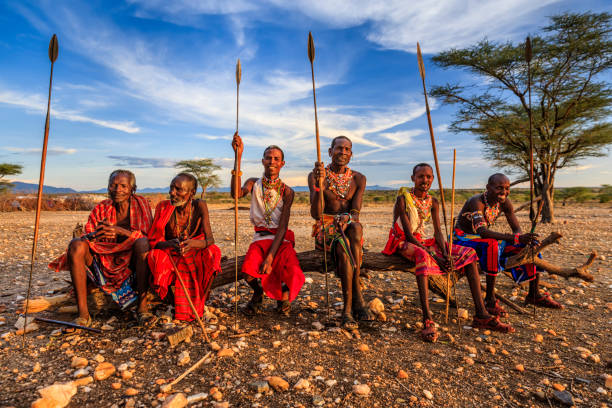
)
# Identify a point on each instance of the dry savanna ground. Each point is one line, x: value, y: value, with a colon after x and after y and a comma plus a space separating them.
x: 321, y: 365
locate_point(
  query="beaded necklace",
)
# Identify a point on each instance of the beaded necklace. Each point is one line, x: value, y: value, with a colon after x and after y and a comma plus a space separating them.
x: 423, y: 205
x: 271, y: 200
x: 339, y: 184
x: 182, y: 233
x: 490, y: 212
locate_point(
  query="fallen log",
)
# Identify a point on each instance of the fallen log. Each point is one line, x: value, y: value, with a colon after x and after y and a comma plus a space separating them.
x: 529, y: 255
x: 312, y: 261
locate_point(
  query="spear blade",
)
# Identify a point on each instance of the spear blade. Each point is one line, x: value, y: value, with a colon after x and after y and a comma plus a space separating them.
x: 528, y: 53
x: 238, y: 72
x: 420, y: 62
x: 311, y: 48
x: 53, y: 48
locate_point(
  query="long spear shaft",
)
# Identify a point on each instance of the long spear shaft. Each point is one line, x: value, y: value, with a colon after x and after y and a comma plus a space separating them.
x: 450, y: 243
x: 532, y: 213
x: 236, y: 189
x: 311, y: 57
x: 53, y: 51
x: 431, y: 134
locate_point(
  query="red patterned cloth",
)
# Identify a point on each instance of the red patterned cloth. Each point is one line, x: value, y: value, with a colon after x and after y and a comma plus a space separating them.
x: 114, y: 257
x: 424, y: 263
x: 285, y: 266
x: 197, y: 267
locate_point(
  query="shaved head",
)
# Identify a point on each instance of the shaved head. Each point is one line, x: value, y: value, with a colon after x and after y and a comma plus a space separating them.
x: 497, y: 178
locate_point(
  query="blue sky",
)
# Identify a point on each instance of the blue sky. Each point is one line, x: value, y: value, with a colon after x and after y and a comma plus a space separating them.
x: 141, y: 84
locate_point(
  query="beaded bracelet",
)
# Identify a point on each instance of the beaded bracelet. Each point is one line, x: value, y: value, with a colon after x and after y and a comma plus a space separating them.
x: 234, y: 173
x: 516, y: 239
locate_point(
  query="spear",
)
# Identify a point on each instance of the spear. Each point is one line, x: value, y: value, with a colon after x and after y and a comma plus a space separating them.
x: 53, y: 50
x: 311, y: 57
x: 532, y: 213
x: 431, y: 134
x: 450, y: 242
x: 236, y: 187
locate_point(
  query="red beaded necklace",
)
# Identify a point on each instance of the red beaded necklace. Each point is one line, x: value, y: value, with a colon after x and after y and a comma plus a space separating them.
x: 339, y: 184
x: 423, y: 205
x: 490, y: 212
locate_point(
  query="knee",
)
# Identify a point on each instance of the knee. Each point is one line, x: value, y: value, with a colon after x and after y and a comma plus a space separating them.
x: 354, y: 231
x: 141, y: 246
x: 77, y: 248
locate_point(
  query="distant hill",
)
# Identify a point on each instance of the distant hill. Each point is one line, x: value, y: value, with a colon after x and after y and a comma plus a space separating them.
x: 20, y: 187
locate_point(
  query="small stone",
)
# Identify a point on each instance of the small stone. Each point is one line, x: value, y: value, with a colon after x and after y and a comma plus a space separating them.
x: 291, y: 374
x: 519, y: 368
x: 99, y: 358
x: 260, y: 387
x: 192, y: 399
x: 223, y: 404
x: 609, y: 381
x: 540, y: 395
x: 116, y: 385
x: 595, y: 358
x: 126, y: 375
x: 376, y: 306
x: 103, y: 371
x: 278, y: 383
x: 558, y: 387
x: 363, y: 347
x: 463, y: 314
x: 318, y: 325
x: 56, y: 395
x: 276, y: 344
x: 81, y: 372
x: 79, y: 362
x: 36, y: 368
x: 563, y: 397
x: 490, y: 349
x: 130, y: 392
x: 302, y: 384
x: 214, y: 346
x: 363, y: 390
x: 107, y: 327
x: 428, y: 394
x: 468, y: 360
x: 417, y: 365
x: 225, y: 353
x: 183, y: 358
x: 157, y: 336
x: 538, y: 338
x: 601, y: 391
x: 81, y: 382
x: 175, y: 401
x: 165, y: 388
x: 402, y: 375
x: 217, y: 395
x: 331, y: 383
x: 318, y: 400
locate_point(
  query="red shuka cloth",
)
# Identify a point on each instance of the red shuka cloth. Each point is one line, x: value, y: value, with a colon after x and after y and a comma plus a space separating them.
x: 285, y: 266
x: 114, y: 257
x: 197, y: 267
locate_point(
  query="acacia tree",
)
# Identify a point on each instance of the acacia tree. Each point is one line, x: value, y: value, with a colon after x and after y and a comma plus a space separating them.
x: 8, y: 169
x: 203, y: 170
x: 570, y: 101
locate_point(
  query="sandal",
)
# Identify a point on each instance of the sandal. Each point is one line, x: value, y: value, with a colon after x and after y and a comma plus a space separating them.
x: 492, y: 323
x: 145, y: 318
x: 283, y: 307
x: 497, y: 310
x: 81, y: 321
x: 429, y: 332
x: 348, y: 323
x: 363, y: 314
x: 252, y: 308
x: 543, y: 300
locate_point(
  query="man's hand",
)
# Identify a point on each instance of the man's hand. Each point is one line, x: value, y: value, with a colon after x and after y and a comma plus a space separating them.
x: 189, y: 244
x: 443, y: 262
x: 237, y: 144
x: 342, y: 221
x: 266, y: 266
x: 529, y: 239
x: 110, y: 232
x: 172, y: 244
x: 319, y: 173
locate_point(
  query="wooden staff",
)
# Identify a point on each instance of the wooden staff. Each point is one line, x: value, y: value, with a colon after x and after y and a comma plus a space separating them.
x: 431, y: 134
x: 193, y: 309
x: 450, y: 243
x: 311, y: 57
x: 53, y: 50
x: 532, y: 212
x: 236, y: 190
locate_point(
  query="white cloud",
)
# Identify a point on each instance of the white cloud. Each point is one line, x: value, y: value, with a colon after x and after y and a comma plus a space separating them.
x: 35, y: 150
x: 37, y: 103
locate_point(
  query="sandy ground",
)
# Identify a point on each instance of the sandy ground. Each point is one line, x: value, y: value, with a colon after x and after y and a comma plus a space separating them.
x: 466, y: 367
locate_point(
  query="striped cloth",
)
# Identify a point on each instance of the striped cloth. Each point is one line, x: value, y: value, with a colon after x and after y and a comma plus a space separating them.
x: 493, y: 254
x: 197, y: 267
x: 113, y: 258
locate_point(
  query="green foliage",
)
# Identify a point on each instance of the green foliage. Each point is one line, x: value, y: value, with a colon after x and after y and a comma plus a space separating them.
x: 570, y: 106
x: 605, y: 193
x: 203, y: 170
x: 8, y: 169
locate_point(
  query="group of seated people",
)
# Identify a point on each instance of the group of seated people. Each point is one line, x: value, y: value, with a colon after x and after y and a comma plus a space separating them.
x: 126, y: 251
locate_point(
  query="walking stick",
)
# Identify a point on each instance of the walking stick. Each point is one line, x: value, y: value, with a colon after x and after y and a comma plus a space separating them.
x: 193, y: 309
x: 236, y: 189
x: 311, y: 57
x: 450, y: 242
x: 431, y: 134
x: 53, y: 50
x: 533, y: 216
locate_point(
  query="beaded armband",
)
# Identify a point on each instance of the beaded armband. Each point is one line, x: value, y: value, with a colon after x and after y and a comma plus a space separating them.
x: 234, y: 173
x: 516, y: 239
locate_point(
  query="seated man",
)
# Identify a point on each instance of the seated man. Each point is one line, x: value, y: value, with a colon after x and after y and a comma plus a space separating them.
x: 413, y: 208
x: 270, y: 256
x: 112, y: 253
x: 340, y: 234
x: 181, y: 236
x: 473, y: 229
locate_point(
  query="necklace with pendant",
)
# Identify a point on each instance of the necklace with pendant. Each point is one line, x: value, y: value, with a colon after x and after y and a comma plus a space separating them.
x: 490, y: 212
x: 182, y: 233
x: 339, y: 184
x: 272, y: 194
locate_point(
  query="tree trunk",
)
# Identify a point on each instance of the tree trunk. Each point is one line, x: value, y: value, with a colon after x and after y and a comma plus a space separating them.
x: 548, y: 214
x: 203, y: 192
